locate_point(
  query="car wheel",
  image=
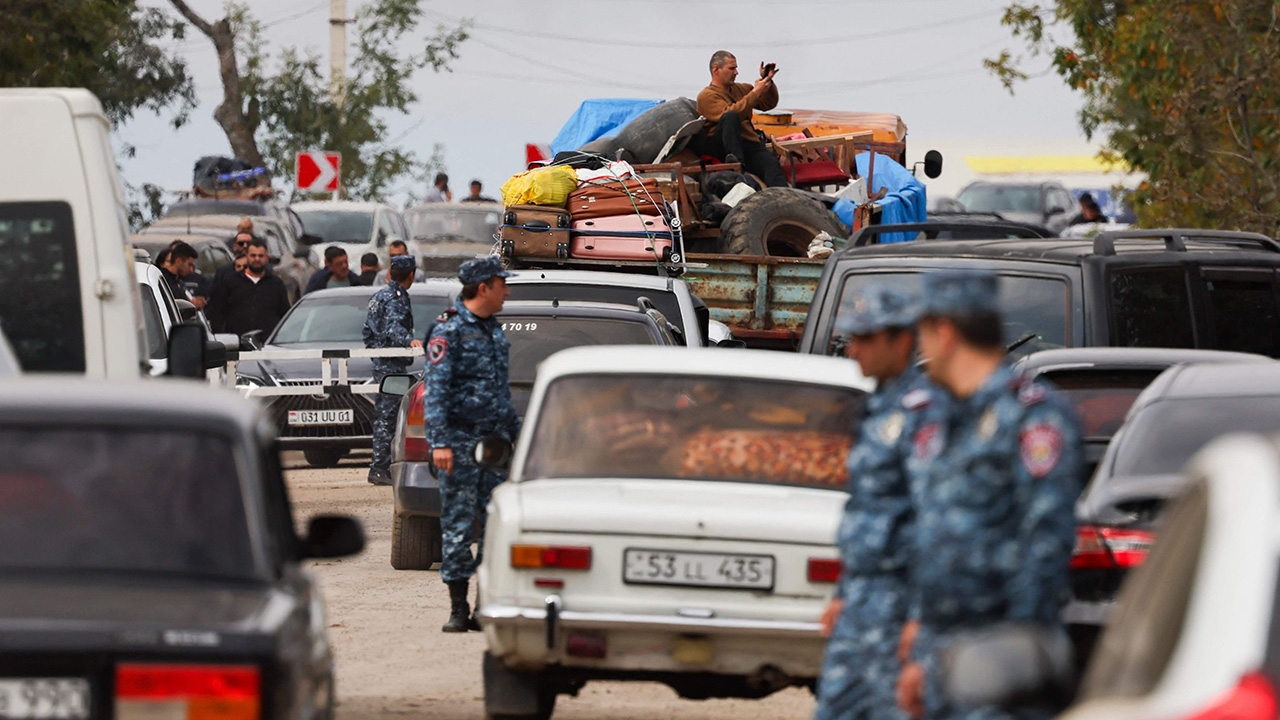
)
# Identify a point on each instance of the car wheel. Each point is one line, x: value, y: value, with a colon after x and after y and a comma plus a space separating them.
x: 514, y: 695
x: 415, y: 542
x: 324, y: 458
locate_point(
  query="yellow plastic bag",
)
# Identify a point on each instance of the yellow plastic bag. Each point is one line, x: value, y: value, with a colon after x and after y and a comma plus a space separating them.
x: 549, y: 185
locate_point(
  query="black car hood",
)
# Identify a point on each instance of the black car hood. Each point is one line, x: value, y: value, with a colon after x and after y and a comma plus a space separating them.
x: 115, y: 611
x: 277, y: 371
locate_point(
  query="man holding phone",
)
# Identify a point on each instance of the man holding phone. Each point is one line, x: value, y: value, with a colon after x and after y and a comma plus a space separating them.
x: 727, y: 106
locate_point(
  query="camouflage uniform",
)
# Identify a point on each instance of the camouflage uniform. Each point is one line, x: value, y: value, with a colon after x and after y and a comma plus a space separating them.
x: 861, y: 667
x: 995, y: 523
x: 389, y: 324
x: 467, y: 398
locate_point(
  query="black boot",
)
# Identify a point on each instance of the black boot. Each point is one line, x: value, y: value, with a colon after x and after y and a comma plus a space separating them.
x: 459, y: 612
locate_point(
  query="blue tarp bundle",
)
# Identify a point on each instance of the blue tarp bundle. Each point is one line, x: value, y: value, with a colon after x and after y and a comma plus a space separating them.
x: 904, y: 201
x: 597, y: 118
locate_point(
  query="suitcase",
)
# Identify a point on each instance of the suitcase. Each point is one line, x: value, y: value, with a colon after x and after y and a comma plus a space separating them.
x: 622, y: 237
x: 535, y: 231
x: 600, y: 198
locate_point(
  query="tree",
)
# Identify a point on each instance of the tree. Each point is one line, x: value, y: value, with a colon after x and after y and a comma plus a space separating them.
x: 110, y: 47
x: 282, y: 105
x: 1185, y: 91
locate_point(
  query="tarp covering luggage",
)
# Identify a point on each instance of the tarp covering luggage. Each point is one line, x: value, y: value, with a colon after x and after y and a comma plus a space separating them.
x: 597, y: 118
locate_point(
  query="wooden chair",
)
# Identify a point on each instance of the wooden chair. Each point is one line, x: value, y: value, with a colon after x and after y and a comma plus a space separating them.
x: 820, y: 161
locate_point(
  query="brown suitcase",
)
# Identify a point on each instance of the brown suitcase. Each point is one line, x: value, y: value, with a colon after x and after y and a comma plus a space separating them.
x: 602, y: 198
x: 535, y: 231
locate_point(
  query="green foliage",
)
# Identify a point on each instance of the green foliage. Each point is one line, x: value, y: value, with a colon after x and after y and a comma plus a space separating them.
x: 292, y: 109
x: 1185, y: 91
x: 111, y: 47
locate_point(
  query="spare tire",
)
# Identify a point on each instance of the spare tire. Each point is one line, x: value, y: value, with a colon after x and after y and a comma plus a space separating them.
x: 776, y: 221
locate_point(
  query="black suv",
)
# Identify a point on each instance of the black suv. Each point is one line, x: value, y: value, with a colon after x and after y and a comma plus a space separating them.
x: 1172, y: 288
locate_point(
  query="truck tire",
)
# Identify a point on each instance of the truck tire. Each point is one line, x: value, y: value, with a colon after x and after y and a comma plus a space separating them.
x: 776, y: 221
x: 415, y: 542
x: 514, y: 695
x: 323, y: 457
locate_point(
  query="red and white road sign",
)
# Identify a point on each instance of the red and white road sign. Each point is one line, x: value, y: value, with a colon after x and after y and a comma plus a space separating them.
x: 318, y: 171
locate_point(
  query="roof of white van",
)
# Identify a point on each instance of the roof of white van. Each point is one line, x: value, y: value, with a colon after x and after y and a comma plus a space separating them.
x: 349, y: 205
x: 82, y: 101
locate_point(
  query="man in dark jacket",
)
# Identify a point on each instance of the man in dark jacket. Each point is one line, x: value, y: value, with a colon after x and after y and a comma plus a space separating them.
x: 335, y: 273
x: 253, y: 300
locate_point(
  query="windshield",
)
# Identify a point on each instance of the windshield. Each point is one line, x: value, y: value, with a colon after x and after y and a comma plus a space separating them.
x: 695, y: 427
x: 1164, y: 435
x: 1035, y: 310
x: 339, y: 226
x: 163, y: 501
x: 1101, y: 398
x: 340, y: 318
x: 533, y: 339
x: 452, y: 224
x: 1000, y: 198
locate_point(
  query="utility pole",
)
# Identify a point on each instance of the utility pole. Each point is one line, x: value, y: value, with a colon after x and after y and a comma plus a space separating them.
x: 337, y: 56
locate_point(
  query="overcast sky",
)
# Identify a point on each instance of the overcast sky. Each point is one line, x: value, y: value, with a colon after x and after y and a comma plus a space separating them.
x: 529, y: 64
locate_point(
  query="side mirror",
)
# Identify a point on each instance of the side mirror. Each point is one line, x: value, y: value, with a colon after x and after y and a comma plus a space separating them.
x: 397, y: 385
x: 333, y: 536
x: 230, y: 341
x: 493, y: 453
x: 1010, y: 665
x: 215, y: 355
x: 1055, y: 210
x: 186, y: 351
x: 309, y: 239
x: 732, y: 343
x: 252, y: 340
x: 932, y: 164
x: 273, y: 261
x: 186, y: 310
x: 302, y: 251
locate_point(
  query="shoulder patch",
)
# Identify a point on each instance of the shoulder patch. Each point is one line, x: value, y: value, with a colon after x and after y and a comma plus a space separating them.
x: 915, y: 399
x: 1031, y: 393
x: 444, y: 316
x: 928, y: 441
x: 437, y: 349
x: 1041, y: 449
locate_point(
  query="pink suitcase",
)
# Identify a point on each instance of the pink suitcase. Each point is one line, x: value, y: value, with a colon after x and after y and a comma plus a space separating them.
x: 622, y: 237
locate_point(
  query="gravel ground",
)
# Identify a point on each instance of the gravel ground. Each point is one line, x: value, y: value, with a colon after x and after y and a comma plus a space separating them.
x: 392, y: 659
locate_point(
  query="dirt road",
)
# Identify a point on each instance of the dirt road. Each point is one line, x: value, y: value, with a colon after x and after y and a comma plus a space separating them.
x: 392, y: 659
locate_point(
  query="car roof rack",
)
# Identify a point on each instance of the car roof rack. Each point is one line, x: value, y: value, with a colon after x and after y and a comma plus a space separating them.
x: 1175, y: 239
x: 870, y: 234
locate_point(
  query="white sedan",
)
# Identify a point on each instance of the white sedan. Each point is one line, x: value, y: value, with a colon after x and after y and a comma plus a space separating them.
x: 670, y: 517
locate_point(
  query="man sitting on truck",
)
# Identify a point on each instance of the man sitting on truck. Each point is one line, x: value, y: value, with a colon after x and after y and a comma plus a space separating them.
x: 727, y: 106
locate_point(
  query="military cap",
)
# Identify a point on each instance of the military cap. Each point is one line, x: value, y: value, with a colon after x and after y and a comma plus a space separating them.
x: 404, y: 262
x: 479, y: 270
x: 959, y: 293
x: 876, y: 307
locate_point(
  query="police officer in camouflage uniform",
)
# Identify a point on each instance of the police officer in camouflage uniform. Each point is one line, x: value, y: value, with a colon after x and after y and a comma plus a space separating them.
x: 864, y: 620
x: 467, y: 399
x: 999, y: 471
x: 389, y: 324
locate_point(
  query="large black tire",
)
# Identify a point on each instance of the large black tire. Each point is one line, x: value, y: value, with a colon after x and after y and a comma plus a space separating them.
x: 776, y: 221
x: 506, y: 689
x: 415, y: 542
x: 324, y: 457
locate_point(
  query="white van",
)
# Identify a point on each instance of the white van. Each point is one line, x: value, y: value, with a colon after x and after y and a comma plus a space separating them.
x: 68, y: 296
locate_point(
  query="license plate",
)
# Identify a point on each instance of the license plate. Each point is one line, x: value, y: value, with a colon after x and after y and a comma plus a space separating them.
x: 688, y: 569
x: 38, y: 698
x: 320, y: 417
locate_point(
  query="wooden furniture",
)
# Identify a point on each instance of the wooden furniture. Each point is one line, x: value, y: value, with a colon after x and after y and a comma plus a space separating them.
x: 822, y: 160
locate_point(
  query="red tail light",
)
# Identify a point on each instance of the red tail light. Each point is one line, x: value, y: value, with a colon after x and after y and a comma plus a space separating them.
x: 823, y: 570
x: 416, y: 447
x: 1108, y: 548
x: 546, y: 556
x: 192, y: 692
x: 1253, y: 698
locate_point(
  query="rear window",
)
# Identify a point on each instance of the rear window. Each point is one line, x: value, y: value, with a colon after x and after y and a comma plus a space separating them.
x: 1101, y: 398
x: 453, y: 224
x: 1035, y: 309
x: 154, y: 501
x: 341, y: 319
x: 533, y: 339
x: 1164, y: 435
x: 40, y: 280
x: 664, y: 301
x: 695, y: 427
x: 157, y: 343
x: 1242, y: 306
x: 339, y: 226
x: 1151, y: 308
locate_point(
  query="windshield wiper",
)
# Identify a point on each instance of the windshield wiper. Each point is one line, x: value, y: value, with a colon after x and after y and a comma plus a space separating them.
x: 1019, y: 342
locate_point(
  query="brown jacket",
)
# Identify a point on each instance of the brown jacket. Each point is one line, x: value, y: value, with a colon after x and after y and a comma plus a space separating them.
x: 714, y: 102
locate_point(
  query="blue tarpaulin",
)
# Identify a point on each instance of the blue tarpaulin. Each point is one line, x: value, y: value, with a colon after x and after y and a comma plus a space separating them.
x: 904, y: 201
x: 597, y: 118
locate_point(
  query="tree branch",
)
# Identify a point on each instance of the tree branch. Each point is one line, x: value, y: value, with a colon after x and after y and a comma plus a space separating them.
x: 201, y: 24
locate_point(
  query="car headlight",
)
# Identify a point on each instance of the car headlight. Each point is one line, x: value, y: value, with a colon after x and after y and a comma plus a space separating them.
x: 248, y: 380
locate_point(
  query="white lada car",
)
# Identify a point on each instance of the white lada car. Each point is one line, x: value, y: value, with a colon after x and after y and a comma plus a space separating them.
x: 671, y: 517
